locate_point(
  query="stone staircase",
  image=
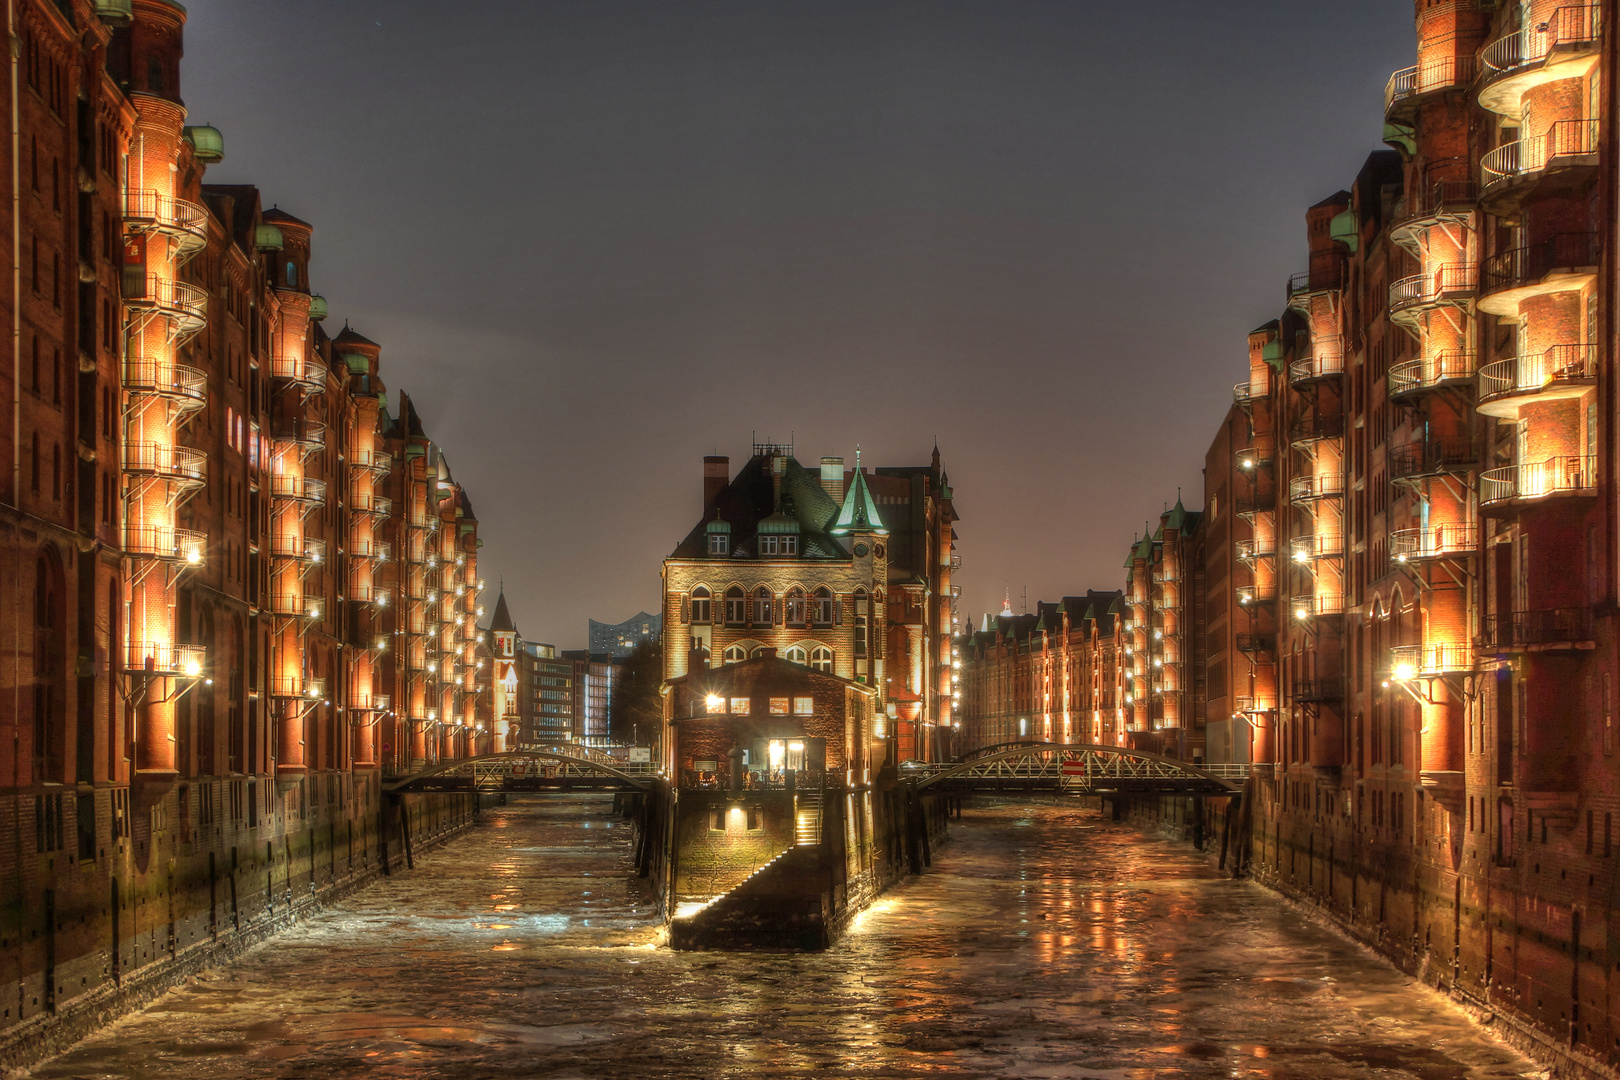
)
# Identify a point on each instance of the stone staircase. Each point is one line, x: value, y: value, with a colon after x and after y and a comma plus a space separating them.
x: 781, y: 907
x: 807, y: 818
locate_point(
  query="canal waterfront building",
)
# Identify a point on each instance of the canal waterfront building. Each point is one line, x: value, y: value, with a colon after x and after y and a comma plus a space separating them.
x: 240, y: 588
x: 843, y: 571
x: 1057, y: 675
x: 620, y: 639
x: 1409, y: 549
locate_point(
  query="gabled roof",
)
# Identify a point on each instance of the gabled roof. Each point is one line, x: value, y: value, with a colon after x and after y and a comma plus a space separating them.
x: 750, y: 499
x: 278, y: 216
x: 859, y: 512
x: 351, y: 337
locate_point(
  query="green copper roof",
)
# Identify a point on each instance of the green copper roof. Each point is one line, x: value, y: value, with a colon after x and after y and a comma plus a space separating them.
x: 779, y: 522
x: 1178, y: 516
x: 718, y: 526
x: 860, y: 512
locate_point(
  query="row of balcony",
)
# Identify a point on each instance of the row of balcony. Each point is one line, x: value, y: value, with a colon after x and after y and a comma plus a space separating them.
x: 305, y: 372
x: 1561, y: 47
x: 182, y: 385
x: 184, y: 222
x: 185, y: 305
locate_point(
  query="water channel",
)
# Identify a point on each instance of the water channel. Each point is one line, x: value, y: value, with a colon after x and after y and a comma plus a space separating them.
x: 1047, y: 942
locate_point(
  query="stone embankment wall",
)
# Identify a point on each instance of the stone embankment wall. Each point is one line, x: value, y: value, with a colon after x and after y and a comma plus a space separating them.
x: 92, y: 930
x: 1545, y: 983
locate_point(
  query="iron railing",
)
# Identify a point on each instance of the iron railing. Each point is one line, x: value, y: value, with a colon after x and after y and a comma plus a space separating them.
x: 1558, y: 367
x: 1543, y: 626
x: 1529, y: 265
x: 1452, y: 280
x: 1434, y: 542
x: 165, y: 658
x: 165, y: 542
x: 1432, y: 457
x: 1564, y: 474
x: 1430, y: 372
x: 180, y: 463
x: 1434, y: 658
x: 1427, y: 78
x: 1566, y: 27
x: 1310, y: 488
x: 1564, y: 139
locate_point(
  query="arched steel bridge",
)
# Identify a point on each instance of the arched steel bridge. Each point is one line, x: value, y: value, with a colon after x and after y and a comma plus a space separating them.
x: 529, y: 770
x: 1077, y: 768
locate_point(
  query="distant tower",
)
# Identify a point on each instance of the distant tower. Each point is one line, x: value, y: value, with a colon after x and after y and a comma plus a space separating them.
x: 504, y: 646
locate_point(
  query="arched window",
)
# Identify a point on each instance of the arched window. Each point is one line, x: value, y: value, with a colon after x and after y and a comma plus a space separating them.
x: 701, y: 605
x: 762, y: 606
x: 736, y: 654
x: 292, y: 273
x: 822, y: 659
x: 795, y: 606
x: 860, y: 623
x: 824, y: 606
x: 796, y: 654
x: 735, y: 603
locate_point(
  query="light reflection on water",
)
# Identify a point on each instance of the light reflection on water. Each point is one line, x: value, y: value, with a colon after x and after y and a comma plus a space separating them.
x: 1045, y: 942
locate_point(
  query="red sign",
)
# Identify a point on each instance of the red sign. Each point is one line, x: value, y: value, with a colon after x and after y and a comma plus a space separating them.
x: 1074, y: 768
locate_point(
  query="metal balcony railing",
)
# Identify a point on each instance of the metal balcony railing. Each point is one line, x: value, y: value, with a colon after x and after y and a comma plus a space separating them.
x: 1443, y: 283
x: 1544, y: 626
x: 1564, y: 140
x: 1530, y: 265
x: 1314, y: 427
x: 1317, y: 690
x: 1434, y: 542
x: 1251, y: 458
x: 1560, y: 368
x: 297, y: 488
x: 373, y: 593
x: 1408, y: 662
x: 1427, y: 78
x: 370, y: 549
x: 1434, y: 457
x: 1569, y: 27
x: 307, y: 434
x: 304, y: 371
x: 367, y: 503
x: 296, y: 607
x: 1325, y: 361
x: 181, y: 302
x: 1304, y: 607
x: 1248, y: 703
x: 1323, y: 279
x: 181, y: 464
x: 1310, y: 488
x: 1304, y: 549
x: 1255, y: 643
x: 379, y: 461
x: 298, y: 686
x: 1565, y: 474
x: 182, y: 384
x: 1252, y: 595
x: 165, y: 542
x: 185, y: 221
x: 1431, y: 372
x: 303, y: 549
x: 165, y: 658
x: 1438, y: 199
x: 1250, y: 550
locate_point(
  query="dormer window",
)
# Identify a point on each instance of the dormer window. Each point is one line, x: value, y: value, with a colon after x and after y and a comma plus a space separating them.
x: 778, y: 545
x: 719, y: 543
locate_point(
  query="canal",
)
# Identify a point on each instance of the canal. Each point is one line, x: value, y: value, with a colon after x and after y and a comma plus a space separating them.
x: 1046, y: 943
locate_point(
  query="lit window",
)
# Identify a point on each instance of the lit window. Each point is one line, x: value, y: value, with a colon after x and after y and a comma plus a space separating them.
x: 767, y: 545
x: 739, y: 706
x: 795, y: 606
x: 701, y: 605
x: 822, y: 659
x: 824, y: 606
x: 790, y: 545
x: 779, y: 706
x: 735, y: 602
x: 803, y: 706
x: 762, y: 606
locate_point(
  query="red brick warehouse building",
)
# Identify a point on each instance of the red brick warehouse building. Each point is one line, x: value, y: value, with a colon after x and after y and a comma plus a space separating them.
x: 239, y: 585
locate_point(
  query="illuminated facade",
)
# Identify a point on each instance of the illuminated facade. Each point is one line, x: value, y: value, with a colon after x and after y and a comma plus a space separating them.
x: 238, y: 586
x: 845, y: 572
x: 1058, y: 675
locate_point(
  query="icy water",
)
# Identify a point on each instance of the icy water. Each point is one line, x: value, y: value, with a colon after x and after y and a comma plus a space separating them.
x: 1045, y: 943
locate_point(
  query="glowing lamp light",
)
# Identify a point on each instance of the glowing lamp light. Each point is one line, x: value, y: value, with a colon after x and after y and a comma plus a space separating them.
x: 1299, y: 556
x: 1405, y: 672
x: 193, y: 556
x: 1248, y: 463
x: 193, y: 668
x: 1302, y: 613
x: 1400, y: 558
x: 208, y: 682
x: 1243, y: 599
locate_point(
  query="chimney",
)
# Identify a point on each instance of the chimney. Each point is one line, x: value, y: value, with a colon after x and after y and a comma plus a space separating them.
x: 832, y: 478
x: 716, y: 473
x: 698, y: 658
x: 767, y: 652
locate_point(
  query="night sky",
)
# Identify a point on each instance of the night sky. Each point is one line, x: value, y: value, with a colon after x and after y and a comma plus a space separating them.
x: 600, y: 240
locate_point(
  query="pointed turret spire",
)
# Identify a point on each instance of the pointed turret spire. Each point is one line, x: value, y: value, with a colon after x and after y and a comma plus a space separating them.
x: 859, y: 512
x: 503, y: 618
